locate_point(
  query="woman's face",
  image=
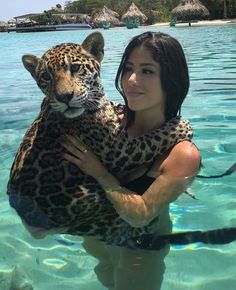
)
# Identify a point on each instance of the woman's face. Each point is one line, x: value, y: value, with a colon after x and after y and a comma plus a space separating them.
x: 141, y: 82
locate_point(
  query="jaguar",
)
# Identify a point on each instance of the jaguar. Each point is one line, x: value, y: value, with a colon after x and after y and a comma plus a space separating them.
x: 52, y: 195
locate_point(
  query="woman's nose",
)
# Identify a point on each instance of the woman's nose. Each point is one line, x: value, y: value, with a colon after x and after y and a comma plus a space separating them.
x: 132, y: 78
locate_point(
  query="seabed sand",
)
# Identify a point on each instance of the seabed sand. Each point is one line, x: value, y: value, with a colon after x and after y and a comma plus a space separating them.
x: 198, y: 23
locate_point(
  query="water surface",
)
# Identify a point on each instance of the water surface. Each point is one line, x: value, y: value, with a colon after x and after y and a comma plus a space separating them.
x: 59, y: 262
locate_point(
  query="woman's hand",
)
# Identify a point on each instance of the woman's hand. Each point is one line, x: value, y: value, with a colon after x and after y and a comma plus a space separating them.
x: 81, y: 156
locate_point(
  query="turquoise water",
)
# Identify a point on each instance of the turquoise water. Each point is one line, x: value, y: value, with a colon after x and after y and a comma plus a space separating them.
x: 59, y: 262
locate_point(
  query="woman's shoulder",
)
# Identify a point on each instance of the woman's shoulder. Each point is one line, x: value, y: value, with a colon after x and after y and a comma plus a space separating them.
x: 184, y: 159
x: 186, y: 149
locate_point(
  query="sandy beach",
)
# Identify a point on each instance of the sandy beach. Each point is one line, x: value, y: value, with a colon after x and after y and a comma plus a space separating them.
x: 198, y: 23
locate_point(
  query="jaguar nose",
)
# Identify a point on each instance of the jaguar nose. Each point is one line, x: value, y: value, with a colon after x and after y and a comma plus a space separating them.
x: 64, y: 98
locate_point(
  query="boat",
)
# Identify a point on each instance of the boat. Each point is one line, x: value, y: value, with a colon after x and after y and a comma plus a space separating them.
x: 26, y: 27
x: 27, y: 22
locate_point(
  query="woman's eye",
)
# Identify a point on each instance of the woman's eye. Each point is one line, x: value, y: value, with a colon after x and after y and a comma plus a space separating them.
x: 74, y: 67
x: 147, y: 71
x: 46, y: 76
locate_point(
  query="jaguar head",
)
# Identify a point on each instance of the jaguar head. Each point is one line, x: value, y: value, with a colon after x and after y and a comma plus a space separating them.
x: 69, y: 75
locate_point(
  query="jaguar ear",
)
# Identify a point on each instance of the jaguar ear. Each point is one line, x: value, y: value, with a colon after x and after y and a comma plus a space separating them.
x: 94, y: 44
x: 30, y: 62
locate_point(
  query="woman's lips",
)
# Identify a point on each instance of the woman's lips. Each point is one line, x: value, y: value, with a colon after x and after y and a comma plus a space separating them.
x: 133, y: 94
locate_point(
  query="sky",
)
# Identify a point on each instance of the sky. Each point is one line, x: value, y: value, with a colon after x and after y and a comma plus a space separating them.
x: 12, y: 8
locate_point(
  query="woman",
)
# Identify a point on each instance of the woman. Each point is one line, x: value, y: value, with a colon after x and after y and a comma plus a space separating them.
x: 153, y: 80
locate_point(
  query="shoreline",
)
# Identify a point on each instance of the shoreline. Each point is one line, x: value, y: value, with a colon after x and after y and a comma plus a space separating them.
x: 167, y: 24
x: 198, y: 23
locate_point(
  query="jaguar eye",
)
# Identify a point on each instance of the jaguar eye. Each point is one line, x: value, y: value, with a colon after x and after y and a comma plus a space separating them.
x: 74, y: 67
x: 46, y: 76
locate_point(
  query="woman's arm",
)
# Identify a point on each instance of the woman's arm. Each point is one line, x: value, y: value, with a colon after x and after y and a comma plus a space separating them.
x: 177, y: 173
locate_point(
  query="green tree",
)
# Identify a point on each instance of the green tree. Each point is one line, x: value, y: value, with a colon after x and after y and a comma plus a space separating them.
x: 221, y: 8
x: 84, y: 6
x: 218, y: 8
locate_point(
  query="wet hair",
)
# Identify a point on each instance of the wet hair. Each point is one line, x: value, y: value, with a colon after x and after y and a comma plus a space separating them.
x: 168, y: 52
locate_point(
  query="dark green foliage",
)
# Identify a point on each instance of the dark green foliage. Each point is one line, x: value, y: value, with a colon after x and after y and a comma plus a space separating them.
x: 84, y: 6
x: 221, y: 8
x: 155, y: 10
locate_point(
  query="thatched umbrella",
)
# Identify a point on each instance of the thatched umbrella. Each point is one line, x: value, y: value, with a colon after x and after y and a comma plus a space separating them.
x: 188, y: 10
x: 134, y: 13
x: 104, y: 16
x: 111, y: 12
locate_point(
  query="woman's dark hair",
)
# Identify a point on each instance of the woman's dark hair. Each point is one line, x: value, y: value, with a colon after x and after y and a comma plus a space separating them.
x: 168, y: 52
